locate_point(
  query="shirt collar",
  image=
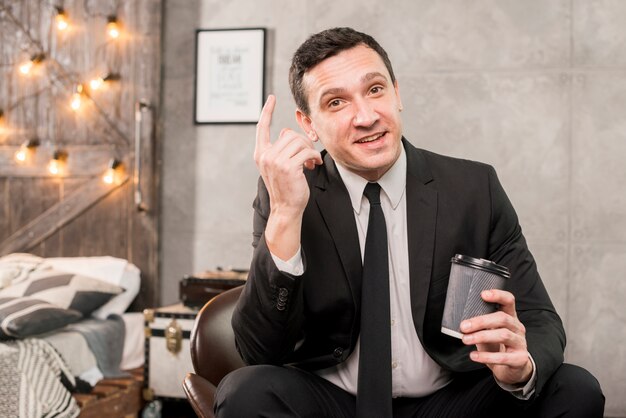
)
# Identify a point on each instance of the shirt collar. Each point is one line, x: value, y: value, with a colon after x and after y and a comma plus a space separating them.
x: 393, y: 182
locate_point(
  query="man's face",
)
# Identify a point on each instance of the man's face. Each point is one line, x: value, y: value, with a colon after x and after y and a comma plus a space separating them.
x: 355, y: 111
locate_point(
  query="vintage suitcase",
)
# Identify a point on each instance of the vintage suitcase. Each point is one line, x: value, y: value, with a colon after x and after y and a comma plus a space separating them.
x: 167, y: 355
x: 167, y: 329
x: 197, y: 289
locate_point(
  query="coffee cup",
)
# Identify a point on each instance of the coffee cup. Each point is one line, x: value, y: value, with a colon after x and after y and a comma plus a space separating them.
x: 468, y: 278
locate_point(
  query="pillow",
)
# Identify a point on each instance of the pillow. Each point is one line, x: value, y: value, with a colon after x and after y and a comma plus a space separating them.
x: 65, y: 290
x: 117, y: 271
x: 131, y: 282
x: 106, y: 268
x: 24, y: 316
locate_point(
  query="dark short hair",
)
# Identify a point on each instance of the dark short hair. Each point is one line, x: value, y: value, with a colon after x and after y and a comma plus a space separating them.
x: 324, y: 45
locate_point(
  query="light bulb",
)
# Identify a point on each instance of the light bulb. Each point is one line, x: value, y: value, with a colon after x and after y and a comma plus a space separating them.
x: 22, y: 154
x: 114, y: 32
x: 57, y: 163
x: 113, y: 27
x: 61, y: 19
x: 109, y: 176
x: 27, y: 67
x: 76, y: 101
x: 96, y: 83
x: 53, y: 167
x: 113, y: 173
x: 99, y: 82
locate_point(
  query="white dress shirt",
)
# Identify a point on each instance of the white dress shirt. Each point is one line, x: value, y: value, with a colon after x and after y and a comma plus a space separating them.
x: 414, y: 372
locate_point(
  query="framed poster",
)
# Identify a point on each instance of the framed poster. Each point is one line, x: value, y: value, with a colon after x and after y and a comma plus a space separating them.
x: 230, y: 74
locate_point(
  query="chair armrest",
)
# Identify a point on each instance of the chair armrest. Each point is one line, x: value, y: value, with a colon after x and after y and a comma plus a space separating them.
x: 200, y: 393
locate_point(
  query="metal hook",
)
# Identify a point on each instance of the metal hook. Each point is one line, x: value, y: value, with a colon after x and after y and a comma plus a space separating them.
x: 140, y: 106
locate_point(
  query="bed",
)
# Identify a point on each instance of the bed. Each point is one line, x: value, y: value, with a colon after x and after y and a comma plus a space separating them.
x: 68, y: 347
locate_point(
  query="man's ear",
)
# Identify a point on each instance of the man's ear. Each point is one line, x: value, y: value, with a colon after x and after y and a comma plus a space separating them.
x: 306, y: 124
x: 397, y: 89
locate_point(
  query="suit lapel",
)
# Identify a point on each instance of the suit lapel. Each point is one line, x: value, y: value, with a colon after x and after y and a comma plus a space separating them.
x: 421, y: 201
x: 334, y: 204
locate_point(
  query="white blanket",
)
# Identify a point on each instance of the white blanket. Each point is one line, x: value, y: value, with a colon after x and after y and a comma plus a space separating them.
x: 15, y: 267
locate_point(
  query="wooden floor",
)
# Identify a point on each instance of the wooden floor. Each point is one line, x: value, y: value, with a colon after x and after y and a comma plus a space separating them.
x: 113, y: 398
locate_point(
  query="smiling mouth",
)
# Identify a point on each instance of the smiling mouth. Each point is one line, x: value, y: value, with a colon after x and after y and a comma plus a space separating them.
x: 370, y: 138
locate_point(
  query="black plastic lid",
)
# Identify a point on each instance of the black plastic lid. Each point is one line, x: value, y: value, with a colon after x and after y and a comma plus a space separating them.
x: 482, y: 264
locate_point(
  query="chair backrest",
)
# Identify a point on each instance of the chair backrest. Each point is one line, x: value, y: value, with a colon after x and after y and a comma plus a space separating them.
x: 212, y: 340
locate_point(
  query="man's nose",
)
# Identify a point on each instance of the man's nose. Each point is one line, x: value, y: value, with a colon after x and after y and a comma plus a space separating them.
x: 365, y: 114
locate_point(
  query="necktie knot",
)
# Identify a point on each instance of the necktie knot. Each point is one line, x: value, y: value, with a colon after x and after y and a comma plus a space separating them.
x: 372, y: 192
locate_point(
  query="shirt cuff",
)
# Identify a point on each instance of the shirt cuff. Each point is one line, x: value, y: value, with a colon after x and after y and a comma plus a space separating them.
x: 525, y: 392
x: 293, y: 266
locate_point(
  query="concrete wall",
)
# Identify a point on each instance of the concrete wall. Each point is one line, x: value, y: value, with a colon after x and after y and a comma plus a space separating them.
x: 536, y: 88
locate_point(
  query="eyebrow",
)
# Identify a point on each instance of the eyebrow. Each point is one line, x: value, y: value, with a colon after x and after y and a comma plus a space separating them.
x: 374, y: 74
x: 339, y: 90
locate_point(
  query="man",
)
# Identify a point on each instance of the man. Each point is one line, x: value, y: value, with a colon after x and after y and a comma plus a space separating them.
x: 299, y: 321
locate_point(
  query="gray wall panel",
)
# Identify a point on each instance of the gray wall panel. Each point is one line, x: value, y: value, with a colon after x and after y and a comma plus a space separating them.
x: 535, y: 88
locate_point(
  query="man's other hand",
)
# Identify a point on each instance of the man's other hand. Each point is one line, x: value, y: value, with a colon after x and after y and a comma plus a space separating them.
x: 500, y: 339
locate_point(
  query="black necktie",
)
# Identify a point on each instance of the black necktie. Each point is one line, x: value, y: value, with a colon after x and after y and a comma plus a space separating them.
x: 374, y: 383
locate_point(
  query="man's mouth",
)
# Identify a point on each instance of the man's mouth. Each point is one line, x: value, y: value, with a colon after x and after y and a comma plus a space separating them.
x: 370, y: 138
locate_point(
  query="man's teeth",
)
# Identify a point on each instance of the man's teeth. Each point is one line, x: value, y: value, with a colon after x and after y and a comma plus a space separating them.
x: 370, y: 138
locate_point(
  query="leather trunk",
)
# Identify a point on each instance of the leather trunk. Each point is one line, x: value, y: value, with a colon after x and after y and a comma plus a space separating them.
x: 197, y: 289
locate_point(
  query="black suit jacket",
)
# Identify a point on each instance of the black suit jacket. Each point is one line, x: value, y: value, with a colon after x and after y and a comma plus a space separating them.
x: 453, y: 207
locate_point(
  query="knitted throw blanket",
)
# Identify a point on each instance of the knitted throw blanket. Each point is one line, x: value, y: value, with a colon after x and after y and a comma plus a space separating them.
x: 33, y: 381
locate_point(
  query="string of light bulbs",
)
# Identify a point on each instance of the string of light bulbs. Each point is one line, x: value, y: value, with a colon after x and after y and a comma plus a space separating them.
x: 57, y: 164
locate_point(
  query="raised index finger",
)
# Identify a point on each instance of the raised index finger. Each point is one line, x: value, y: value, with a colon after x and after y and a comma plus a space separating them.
x: 263, y: 126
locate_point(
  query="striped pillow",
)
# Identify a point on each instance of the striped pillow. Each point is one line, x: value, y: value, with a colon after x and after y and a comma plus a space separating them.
x: 65, y: 290
x: 23, y: 316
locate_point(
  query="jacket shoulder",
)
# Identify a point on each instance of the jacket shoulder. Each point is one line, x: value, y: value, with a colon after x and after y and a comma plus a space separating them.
x: 441, y: 161
x: 428, y: 165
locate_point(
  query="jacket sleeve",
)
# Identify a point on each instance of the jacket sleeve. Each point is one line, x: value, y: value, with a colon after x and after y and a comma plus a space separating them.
x: 269, y: 315
x: 507, y: 246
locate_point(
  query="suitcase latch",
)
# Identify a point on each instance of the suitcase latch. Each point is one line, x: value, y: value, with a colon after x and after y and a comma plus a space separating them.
x: 173, y: 337
x: 148, y: 315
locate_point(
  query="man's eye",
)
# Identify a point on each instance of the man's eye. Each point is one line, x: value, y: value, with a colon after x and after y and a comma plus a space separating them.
x: 334, y: 103
x: 376, y: 89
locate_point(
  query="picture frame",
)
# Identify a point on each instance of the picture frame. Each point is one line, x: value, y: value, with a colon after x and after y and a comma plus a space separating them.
x: 230, y: 75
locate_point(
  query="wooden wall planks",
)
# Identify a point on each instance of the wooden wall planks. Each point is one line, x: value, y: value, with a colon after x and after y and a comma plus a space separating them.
x: 76, y: 215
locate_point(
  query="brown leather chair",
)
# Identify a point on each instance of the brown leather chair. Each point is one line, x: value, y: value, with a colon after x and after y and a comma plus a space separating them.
x: 213, y: 351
